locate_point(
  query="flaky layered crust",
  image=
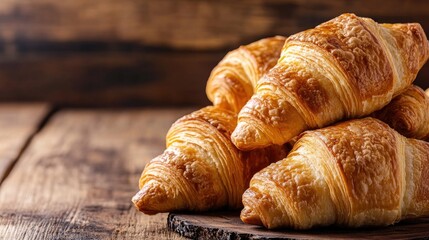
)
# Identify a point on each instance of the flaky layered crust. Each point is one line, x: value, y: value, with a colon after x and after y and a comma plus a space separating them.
x: 357, y: 173
x: 345, y: 68
x: 201, y: 169
x: 408, y: 113
x: 232, y: 82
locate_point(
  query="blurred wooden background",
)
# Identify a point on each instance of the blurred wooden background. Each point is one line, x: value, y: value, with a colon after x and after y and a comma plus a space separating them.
x: 151, y: 53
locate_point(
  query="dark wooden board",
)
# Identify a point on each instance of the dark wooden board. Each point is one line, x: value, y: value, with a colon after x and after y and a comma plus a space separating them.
x: 18, y: 123
x: 227, y: 225
x: 127, y: 78
x: 76, y: 178
x: 138, y: 78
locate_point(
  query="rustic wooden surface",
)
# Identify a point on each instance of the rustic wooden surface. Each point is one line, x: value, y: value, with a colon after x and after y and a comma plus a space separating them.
x: 227, y: 225
x: 18, y: 123
x: 76, y: 178
x: 122, y: 53
x: 186, y: 24
x: 108, y: 79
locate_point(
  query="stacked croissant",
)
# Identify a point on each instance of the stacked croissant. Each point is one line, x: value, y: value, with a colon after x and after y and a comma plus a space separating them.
x: 320, y: 128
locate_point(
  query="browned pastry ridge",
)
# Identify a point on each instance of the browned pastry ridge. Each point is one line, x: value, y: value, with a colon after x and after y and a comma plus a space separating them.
x: 233, y: 80
x: 408, y: 113
x: 357, y: 173
x: 201, y: 169
x: 345, y: 68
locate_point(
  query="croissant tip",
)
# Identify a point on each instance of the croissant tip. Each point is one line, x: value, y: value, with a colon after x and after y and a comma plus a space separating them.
x: 249, y: 216
x: 247, y: 137
x: 139, y: 199
x: 150, y: 200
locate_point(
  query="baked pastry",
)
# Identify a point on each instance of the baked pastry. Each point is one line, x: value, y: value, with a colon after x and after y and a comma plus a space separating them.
x: 408, y: 113
x: 345, y: 68
x: 233, y: 80
x: 357, y: 173
x: 201, y: 169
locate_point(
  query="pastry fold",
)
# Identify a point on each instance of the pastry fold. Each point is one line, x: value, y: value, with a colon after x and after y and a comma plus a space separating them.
x: 201, y: 169
x: 356, y: 173
x: 232, y: 82
x: 408, y: 113
x: 345, y: 68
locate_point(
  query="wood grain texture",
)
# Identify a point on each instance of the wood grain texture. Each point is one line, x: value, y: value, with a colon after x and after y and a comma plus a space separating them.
x: 108, y: 79
x: 128, y: 53
x: 77, y: 177
x: 184, y: 24
x: 227, y: 225
x: 18, y: 123
x: 146, y: 78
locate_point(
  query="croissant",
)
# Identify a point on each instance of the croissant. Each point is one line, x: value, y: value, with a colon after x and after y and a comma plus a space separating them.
x: 356, y: 173
x: 201, y: 169
x: 408, y: 113
x: 232, y: 81
x: 427, y: 91
x: 347, y: 67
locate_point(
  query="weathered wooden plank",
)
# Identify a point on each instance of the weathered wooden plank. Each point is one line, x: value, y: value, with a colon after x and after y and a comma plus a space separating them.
x: 109, y: 79
x: 18, y: 123
x: 110, y: 53
x: 78, y: 175
x: 183, y: 24
x: 115, y: 79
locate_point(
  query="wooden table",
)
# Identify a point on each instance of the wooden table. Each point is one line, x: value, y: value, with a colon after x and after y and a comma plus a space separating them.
x: 71, y: 173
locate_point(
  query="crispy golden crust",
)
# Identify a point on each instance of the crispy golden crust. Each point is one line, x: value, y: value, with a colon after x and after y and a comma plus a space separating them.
x: 366, y: 155
x: 233, y: 80
x: 345, y: 68
x: 350, y: 42
x: 201, y: 169
x: 408, y: 113
x: 409, y: 47
x: 357, y: 173
x: 416, y: 197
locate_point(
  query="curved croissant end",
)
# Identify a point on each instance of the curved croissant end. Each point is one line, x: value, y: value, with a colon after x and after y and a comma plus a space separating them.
x: 357, y: 173
x: 233, y: 80
x: 277, y: 122
x: 427, y: 91
x: 345, y: 68
x: 157, y: 196
x: 408, y: 113
x: 201, y: 169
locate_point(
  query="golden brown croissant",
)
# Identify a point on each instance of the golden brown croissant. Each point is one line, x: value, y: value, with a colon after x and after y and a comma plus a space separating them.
x: 232, y: 81
x: 427, y: 91
x: 408, y: 113
x: 201, y: 169
x: 357, y: 173
x: 345, y: 68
